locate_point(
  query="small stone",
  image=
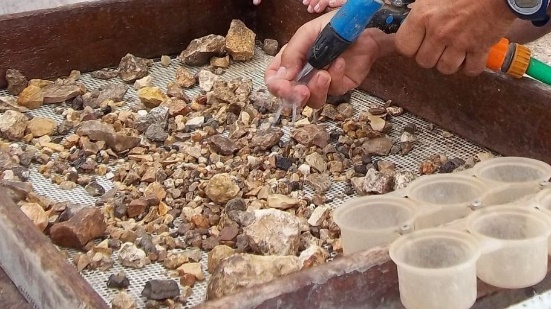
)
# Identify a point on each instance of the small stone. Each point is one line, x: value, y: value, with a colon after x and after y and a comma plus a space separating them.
x: 31, y: 97
x: 321, y: 183
x: 330, y: 112
x: 143, y: 82
x: 118, y: 281
x: 157, y: 115
x: 319, y: 215
x: 195, y: 122
x: 406, y: 147
x: 99, y: 131
x: 151, y: 96
x: 160, y: 289
x: 156, y: 133
x: 131, y: 256
x: 270, y: 47
x: 228, y: 233
x: 394, y: 111
x: 304, y: 169
x: 13, y: 125
x: 483, y: 156
x: 114, y: 92
x: 137, y: 207
x: 316, y: 161
x: 217, y: 255
x: 76, y: 232
x: 241, y: 271
x: 273, y: 232
x: 313, y: 256
x: 94, y: 189
x: 240, y: 41
x: 311, y: 135
x: 346, y: 110
x: 60, y: 93
x: 41, y: 126
x: 192, y: 269
x: 122, y: 300
x: 236, y: 204
x: 283, y: 163
x: 207, y: 79
x: 16, y: 81
x: 36, y: 213
x: 199, y: 51
x: 377, y: 146
x: 282, y: 202
x: 132, y: 68
x: 377, y: 182
x: 267, y: 139
x: 175, y: 91
x: 222, y: 145
x: 427, y: 167
x: 377, y: 123
x: 105, y: 74
x: 377, y: 111
x: 187, y: 280
x: 357, y: 184
x: 402, y: 179
x: 221, y: 188
x: 165, y: 61
x: 220, y: 62
x: 175, y: 260
x: 184, y: 78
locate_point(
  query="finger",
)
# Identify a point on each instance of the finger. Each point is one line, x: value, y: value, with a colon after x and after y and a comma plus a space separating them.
x: 428, y: 54
x: 475, y: 63
x: 306, y: 2
x: 273, y: 67
x: 336, y: 3
x: 336, y: 70
x: 319, y: 86
x: 410, y: 35
x: 450, y: 61
x: 256, y: 2
x: 321, y: 6
x: 312, y: 5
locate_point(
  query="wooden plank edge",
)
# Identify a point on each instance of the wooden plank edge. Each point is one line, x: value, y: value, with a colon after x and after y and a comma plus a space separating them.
x: 36, y: 267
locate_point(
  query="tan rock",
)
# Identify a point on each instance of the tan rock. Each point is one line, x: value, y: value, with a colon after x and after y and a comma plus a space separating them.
x: 60, y: 93
x: 240, y: 41
x: 217, y: 255
x: 41, y: 126
x: 313, y: 256
x: 16, y: 81
x: 152, y: 96
x: 165, y: 61
x: 36, y: 213
x: 221, y: 188
x: 87, y: 224
x: 283, y: 202
x: 31, y: 97
x: 193, y: 269
x: 200, y: 50
x: 273, y: 232
x: 132, y: 68
x: 220, y: 62
x: 184, y: 78
x: 123, y: 300
x: 143, y: 82
x: 13, y: 125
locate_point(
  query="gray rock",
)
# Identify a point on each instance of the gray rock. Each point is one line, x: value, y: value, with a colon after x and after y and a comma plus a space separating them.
x: 160, y: 289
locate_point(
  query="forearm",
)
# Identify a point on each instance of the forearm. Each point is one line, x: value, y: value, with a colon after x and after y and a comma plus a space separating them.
x: 523, y: 31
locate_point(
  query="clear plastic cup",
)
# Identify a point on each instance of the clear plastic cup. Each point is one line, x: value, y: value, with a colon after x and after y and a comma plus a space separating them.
x: 543, y: 203
x: 517, y: 170
x: 444, y: 197
x: 514, y: 242
x: 436, y: 268
x: 370, y: 221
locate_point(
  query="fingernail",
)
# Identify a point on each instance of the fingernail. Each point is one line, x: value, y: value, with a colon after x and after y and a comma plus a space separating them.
x: 322, y: 80
x: 281, y: 72
x: 305, y: 2
x: 256, y: 2
x: 317, y: 7
x: 332, y: 3
x: 310, y: 9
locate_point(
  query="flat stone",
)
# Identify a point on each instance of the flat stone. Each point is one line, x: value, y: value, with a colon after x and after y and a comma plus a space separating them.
x: 13, y: 125
x: 240, y: 41
x: 192, y: 269
x: 184, y: 78
x: 16, y: 81
x: 222, y: 145
x: 132, y: 68
x: 146, y: 81
x: 241, y: 271
x: 105, y: 74
x: 41, y: 126
x: 31, y: 97
x: 160, y: 289
x: 321, y: 183
x: 319, y: 215
x: 377, y: 182
x: 60, y: 93
x: 266, y: 139
x: 311, y: 135
x: 379, y: 146
x: 221, y: 188
x: 283, y: 202
x: 76, y: 232
x: 99, y: 131
x: 316, y: 161
x: 273, y: 232
x: 199, y: 51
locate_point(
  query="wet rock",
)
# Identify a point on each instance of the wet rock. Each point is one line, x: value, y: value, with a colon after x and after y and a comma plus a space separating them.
x: 55, y: 93
x: 319, y: 215
x: 184, y: 78
x: 41, y: 126
x: 316, y: 161
x: 377, y: 182
x: 76, y: 232
x: 16, y: 81
x: 313, y: 256
x: 156, y: 133
x: 132, y: 68
x: 240, y: 41
x: 31, y: 97
x: 199, y: 51
x: 131, y: 256
x: 160, y: 289
x: 221, y: 188
x: 283, y: 202
x: 143, y: 82
x: 207, y: 79
x: 98, y: 131
x: 321, y: 183
x: 273, y: 232
x: 151, y: 96
x: 241, y: 271
x: 222, y: 145
x: 402, y: 179
x: 217, y: 255
x: 118, y: 281
x: 267, y: 139
x: 123, y: 300
x: 270, y: 47
x: 379, y: 146
x: 13, y: 125
x: 311, y: 135
x: 36, y: 213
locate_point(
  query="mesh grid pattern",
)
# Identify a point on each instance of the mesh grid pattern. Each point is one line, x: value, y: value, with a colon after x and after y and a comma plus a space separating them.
x: 430, y: 142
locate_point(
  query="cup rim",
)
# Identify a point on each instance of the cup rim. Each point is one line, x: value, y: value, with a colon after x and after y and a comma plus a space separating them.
x: 424, y: 181
x: 483, y: 166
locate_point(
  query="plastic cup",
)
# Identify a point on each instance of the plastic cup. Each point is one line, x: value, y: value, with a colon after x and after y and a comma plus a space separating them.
x: 445, y: 197
x: 370, y: 221
x: 436, y: 268
x: 514, y: 243
x: 513, y: 170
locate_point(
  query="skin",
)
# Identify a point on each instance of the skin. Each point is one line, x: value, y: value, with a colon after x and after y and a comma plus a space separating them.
x: 316, y: 6
x: 449, y: 36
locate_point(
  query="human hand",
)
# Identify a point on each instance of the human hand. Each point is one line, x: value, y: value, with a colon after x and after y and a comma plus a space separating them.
x: 316, y: 6
x: 344, y: 74
x: 452, y: 34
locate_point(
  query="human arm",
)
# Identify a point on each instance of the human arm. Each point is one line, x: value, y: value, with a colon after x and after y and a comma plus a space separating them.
x: 522, y: 31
